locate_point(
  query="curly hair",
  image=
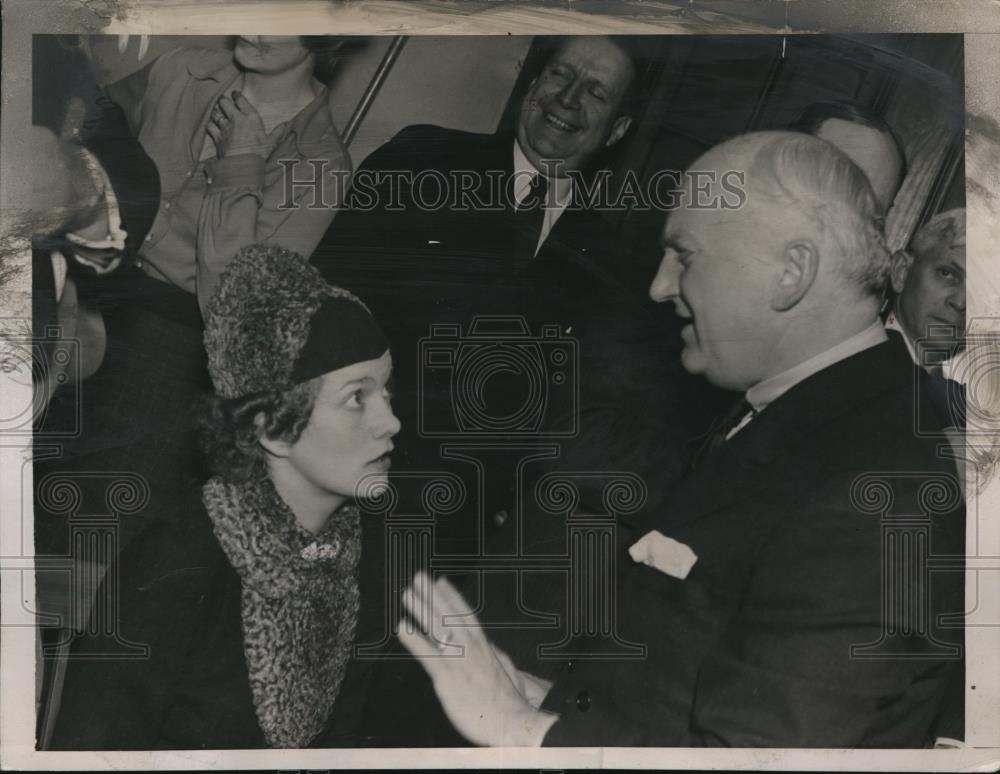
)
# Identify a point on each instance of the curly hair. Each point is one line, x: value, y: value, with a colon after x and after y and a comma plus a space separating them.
x: 230, y: 430
x: 943, y: 232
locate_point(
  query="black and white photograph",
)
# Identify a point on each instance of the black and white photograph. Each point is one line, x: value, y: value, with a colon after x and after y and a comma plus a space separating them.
x: 502, y: 384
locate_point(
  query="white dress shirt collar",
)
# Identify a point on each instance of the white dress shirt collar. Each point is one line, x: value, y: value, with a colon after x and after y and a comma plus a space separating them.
x: 558, y: 197
x: 766, y: 392
x: 892, y: 324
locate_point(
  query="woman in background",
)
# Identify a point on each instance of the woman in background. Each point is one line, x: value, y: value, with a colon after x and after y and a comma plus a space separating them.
x: 226, y: 129
x: 250, y: 606
x: 217, y: 123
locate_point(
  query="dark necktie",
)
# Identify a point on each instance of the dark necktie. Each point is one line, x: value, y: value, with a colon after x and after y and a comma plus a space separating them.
x: 716, y: 437
x: 529, y: 216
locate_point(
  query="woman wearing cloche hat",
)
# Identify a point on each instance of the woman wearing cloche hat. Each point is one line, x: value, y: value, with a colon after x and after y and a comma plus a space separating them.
x: 250, y: 607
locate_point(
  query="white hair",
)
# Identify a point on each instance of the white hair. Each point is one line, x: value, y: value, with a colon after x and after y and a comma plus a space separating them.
x: 822, y: 183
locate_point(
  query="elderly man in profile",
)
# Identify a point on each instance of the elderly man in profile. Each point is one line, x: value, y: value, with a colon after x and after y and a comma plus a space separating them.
x: 758, y: 589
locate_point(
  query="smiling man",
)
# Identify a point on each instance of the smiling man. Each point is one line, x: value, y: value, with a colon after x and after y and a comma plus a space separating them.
x: 440, y: 195
x: 758, y: 589
x: 573, y: 109
x: 489, y: 225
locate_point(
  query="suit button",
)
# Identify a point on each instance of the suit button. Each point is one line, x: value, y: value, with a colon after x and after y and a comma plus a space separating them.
x: 583, y: 701
x: 500, y: 517
x: 570, y: 665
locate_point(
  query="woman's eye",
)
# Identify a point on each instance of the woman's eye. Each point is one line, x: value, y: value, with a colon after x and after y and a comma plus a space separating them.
x: 598, y: 94
x: 946, y: 273
x: 356, y: 400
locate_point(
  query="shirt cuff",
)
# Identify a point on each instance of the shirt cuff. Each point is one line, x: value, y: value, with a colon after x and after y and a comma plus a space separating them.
x: 244, y: 170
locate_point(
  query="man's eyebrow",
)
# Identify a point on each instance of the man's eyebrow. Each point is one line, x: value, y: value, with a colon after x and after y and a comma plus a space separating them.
x: 675, y: 241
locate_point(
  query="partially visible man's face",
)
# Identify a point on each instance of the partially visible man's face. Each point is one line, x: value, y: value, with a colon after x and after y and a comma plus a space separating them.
x: 718, y: 268
x: 931, y: 293
x: 571, y: 110
x: 873, y: 151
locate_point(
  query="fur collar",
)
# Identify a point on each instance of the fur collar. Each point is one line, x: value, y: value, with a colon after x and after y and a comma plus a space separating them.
x: 299, y: 603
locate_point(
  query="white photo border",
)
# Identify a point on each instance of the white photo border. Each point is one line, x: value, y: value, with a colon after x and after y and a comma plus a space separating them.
x: 978, y: 20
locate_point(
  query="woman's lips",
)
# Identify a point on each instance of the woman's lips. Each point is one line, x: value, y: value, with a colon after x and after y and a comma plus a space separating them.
x: 383, y: 461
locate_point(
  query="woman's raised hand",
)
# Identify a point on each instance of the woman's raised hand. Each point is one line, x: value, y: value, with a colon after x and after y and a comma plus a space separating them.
x: 488, y: 700
x: 236, y: 128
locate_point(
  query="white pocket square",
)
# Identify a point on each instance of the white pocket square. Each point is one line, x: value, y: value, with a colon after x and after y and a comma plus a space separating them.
x: 664, y: 554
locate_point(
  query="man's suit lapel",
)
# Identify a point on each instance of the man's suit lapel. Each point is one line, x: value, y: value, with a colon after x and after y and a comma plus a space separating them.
x: 488, y: 232
x: 751, y: 461
x: 732, y: 475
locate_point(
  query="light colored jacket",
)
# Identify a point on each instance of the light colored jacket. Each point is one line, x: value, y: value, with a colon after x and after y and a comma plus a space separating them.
x: 211, y: 208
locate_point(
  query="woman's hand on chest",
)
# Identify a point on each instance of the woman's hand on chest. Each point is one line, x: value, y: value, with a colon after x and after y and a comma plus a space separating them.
x: 236, y: 128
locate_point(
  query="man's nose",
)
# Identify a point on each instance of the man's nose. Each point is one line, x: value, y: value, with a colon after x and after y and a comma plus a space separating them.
x: 957, y: 299
x: 569, y: 95
x: 665, y: 285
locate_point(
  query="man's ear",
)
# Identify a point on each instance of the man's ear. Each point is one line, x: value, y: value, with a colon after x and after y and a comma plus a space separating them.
x: 273, y: 446
x: 618, y: 129
x: 798, y: 272
x: 899, y: 267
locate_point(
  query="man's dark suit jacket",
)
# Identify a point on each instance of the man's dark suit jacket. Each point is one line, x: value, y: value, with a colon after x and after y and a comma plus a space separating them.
x: 448, y: 260
x: 753, y: 648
